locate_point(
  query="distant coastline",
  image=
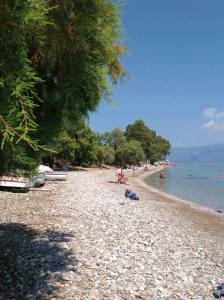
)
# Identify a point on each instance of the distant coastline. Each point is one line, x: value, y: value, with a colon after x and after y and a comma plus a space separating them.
x: 210, y: 154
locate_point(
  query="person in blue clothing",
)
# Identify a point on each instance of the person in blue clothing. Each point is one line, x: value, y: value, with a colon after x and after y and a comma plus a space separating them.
x: 131, y: 195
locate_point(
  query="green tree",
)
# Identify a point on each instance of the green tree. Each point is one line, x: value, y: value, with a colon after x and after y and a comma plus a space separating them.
x: 100, y: 154
x: 155, y: 147
x: 140, y: 132
x: 104, y: 138
x: 116, y: 138
x: 66, y: 147
x: 130, y: 152
x: 22, y: 26
x: 160, y: 148
x: 82, y: 52
x: 86, y: 153
x: 55, y: 61
x: 109, y: 157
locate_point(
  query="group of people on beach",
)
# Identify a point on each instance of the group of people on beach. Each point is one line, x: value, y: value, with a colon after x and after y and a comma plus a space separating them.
x: 122, y: 179
x: 162, y: 173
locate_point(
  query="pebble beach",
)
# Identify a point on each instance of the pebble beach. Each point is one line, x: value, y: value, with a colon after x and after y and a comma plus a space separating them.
x: 82, y: 239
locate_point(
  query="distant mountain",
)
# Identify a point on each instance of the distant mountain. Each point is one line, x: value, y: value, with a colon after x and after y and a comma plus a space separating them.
x: 212, y: 154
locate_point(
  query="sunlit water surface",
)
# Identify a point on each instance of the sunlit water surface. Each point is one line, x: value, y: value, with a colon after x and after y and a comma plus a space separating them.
x: 203, y: 184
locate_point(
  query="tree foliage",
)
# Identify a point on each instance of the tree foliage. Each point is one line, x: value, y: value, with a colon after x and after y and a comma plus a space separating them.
x: 155, y: 147
x: 130, y: 153
x: 81, y: 146
x: 58, y: 59
x: 117, y: 138
x: 100, y: 154
x: 22, y: 24
x: 87, y: 151
x: 109, y: 157
x: 140, y: 132
x: 55, y: 60
x: 83, y: 49
x: 66, y: 147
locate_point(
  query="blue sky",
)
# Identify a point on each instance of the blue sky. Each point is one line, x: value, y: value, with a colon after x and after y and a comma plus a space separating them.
x: 176, y: 65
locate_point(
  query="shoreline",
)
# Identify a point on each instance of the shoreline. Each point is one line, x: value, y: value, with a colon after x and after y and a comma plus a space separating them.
x: 202, y: 216
x: 195, y: 205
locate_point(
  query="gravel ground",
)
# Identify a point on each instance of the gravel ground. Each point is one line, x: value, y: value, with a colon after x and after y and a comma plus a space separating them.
x: 83, y: 239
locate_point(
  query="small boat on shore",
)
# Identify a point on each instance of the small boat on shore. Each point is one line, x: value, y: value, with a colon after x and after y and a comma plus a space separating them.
x: 49, y: 174
x: 57, y: 175
x: 16, y: 183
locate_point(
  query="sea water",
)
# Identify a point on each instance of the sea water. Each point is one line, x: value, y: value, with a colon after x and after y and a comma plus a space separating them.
x: 203, y: 184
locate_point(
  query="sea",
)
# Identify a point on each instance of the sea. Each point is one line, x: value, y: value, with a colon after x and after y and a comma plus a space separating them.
x: 203, y: 184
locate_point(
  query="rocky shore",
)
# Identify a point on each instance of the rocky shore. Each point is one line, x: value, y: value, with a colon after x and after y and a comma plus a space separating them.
x: 82, y: 239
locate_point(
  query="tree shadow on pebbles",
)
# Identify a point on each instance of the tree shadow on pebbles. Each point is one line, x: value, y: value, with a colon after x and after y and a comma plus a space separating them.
x: 32, y: 262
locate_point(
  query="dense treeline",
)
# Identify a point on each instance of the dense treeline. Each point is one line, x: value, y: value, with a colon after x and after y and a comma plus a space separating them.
x: 57, y: 61
x: 136, y: 144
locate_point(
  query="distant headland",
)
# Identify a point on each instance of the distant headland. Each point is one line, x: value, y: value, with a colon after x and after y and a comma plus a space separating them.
x: 211, y: 154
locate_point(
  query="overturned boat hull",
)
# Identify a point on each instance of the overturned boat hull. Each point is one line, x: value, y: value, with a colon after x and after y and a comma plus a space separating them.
x: 51, y: 176
x: 16, y: 183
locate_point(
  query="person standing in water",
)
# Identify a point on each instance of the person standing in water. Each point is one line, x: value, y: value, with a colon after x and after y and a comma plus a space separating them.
x: 162, y: 176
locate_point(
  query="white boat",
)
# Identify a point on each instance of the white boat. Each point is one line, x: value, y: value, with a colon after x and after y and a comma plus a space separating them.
x: 57, y: 175
x: 44, y: 169
x: 15, y: 183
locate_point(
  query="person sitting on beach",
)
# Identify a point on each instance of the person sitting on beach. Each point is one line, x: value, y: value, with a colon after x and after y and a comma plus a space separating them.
x: 121, y: 178
x: 130, y: 194
x: 119, y: 171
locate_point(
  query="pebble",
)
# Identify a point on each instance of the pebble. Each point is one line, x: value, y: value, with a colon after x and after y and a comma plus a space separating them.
x: 86, y: 241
